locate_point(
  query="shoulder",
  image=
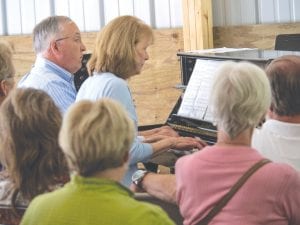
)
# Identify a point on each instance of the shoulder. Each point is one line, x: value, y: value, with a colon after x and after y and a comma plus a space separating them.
x: 284, y: 170
x: 114, y: 80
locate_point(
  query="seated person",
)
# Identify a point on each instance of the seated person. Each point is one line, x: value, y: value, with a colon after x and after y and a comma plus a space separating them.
x: 96, y: 138
x: 59, y: 50
x: 240, y: 97
x: 7, y: 70
x: 29, y: 152
x: 113, y: 61
x: 279, y: 137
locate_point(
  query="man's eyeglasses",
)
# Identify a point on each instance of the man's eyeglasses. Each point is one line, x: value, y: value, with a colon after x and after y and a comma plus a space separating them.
x: 60, y: 39
x: 76, y: 38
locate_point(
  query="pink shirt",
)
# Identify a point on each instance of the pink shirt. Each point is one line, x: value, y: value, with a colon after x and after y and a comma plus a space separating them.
x: 270, y: 197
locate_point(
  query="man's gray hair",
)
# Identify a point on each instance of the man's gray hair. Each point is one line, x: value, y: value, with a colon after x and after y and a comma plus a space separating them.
x: 45, y: 31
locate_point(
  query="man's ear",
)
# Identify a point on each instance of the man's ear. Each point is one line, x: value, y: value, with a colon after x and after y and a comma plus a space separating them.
x: 53, y: 47
x: 270, y: 112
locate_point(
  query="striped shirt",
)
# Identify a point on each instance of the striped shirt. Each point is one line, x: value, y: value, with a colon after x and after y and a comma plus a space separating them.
x: 52, y: 79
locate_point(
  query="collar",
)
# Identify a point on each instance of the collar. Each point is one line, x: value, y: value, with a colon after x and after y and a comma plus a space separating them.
x: 100, y: 183
x: 61, y: 72
x: 282, y: 128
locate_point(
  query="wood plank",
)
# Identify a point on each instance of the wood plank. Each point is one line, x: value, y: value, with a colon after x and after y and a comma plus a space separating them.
x: 197, y: 24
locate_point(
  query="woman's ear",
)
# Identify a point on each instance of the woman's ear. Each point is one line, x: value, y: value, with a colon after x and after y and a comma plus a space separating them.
x: 5, y: 87
x: 126, y: 157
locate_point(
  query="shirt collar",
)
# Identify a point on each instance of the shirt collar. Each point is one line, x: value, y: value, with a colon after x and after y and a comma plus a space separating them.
x: 97, y: 182
x: 61, y: 72
x: 282, y: 128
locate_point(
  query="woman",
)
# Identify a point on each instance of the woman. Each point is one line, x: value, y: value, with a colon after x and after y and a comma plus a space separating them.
x: 29, y: 152
x: 240, y: 98
x: 120, y: 53
x: 96, y: 138
x: 7, y: 70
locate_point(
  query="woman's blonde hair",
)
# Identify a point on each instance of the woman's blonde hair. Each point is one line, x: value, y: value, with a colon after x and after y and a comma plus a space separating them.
x: 115, y: 46
x: 96, y: 136
x: 240, y: 97
x: 7, y: 69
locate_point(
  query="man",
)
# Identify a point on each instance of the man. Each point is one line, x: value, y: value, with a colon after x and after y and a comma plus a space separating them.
x: 279, y: 137
x: 57, y: 43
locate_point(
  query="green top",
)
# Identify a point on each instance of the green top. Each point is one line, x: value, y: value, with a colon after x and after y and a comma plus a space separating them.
x: 89, y: 201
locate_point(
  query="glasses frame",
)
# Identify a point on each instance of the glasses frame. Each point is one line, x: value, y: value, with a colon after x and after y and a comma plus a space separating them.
x: 63, y: 38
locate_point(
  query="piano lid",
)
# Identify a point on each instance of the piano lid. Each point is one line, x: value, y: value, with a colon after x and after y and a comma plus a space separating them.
x: 238, y: 54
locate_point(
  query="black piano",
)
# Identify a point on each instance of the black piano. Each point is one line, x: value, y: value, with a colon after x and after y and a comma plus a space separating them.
x: 199, y: 127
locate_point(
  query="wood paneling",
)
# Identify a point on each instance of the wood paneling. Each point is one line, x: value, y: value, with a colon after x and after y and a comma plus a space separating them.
x: 153, y: 90
x: 252, y: 36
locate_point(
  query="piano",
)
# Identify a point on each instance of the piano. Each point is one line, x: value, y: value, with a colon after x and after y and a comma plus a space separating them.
x: 199, y: 127
x: 82, y: 74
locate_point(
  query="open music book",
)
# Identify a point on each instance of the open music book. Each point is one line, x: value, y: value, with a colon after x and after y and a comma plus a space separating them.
x: 195, y: 103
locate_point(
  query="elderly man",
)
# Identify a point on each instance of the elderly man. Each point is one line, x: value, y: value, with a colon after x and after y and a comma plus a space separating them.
x: 279, y: 137
x: 57, y: 43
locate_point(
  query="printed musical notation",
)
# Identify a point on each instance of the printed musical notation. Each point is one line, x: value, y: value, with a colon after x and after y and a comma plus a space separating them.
x: 195, y: 103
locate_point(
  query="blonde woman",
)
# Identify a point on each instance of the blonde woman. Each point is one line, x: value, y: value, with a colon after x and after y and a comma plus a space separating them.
x: 7, y: 70
x: 96, y: 138
x: 120, y: 53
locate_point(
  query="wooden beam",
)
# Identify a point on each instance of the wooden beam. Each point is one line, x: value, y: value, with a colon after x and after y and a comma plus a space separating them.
x: 197, y: 24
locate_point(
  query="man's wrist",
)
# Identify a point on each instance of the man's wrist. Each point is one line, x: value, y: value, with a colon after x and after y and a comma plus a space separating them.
x: 138, y: 177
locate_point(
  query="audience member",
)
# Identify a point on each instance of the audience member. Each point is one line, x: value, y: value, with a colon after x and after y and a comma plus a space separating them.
x: 279, y: 137
x: 96, y: 138
x: 240, y: 98
x: 7, y: 70
x: 29, y: 152
x: 120, y: 53
x: 57, y: 43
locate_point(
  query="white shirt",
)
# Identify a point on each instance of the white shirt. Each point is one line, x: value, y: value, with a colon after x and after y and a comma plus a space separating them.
x: 279, y: 141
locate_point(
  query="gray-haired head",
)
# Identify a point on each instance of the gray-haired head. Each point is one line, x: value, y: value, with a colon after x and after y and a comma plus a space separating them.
x: 240, y: 97
x: 47, y: 30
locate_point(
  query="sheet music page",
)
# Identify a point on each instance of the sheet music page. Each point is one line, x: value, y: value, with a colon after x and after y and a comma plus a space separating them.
x: 195, y: 103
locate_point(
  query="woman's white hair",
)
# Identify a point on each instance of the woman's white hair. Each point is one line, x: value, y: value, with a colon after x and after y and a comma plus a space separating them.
x: 240, y: 97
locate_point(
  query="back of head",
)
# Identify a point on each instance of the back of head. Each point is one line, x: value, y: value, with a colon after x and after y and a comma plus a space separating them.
x: 7, y: 69
x: 29, y: 128
x: 284, y: 76
x: 96, y: 136
x: 240, y: 97
x: 47, y: 30
x: 115, y: 46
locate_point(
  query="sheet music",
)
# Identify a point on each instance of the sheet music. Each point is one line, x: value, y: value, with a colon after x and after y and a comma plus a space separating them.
x: 219, y: 50
x: 195, y: 103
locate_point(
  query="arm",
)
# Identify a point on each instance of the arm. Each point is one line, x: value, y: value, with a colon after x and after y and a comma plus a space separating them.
x: 161, y: 186
x: 164, y: 130
x: 179, y: 143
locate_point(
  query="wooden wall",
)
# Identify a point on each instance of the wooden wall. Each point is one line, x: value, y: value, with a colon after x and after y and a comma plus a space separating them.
x: 153, y: 90
x: 260, y: 36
